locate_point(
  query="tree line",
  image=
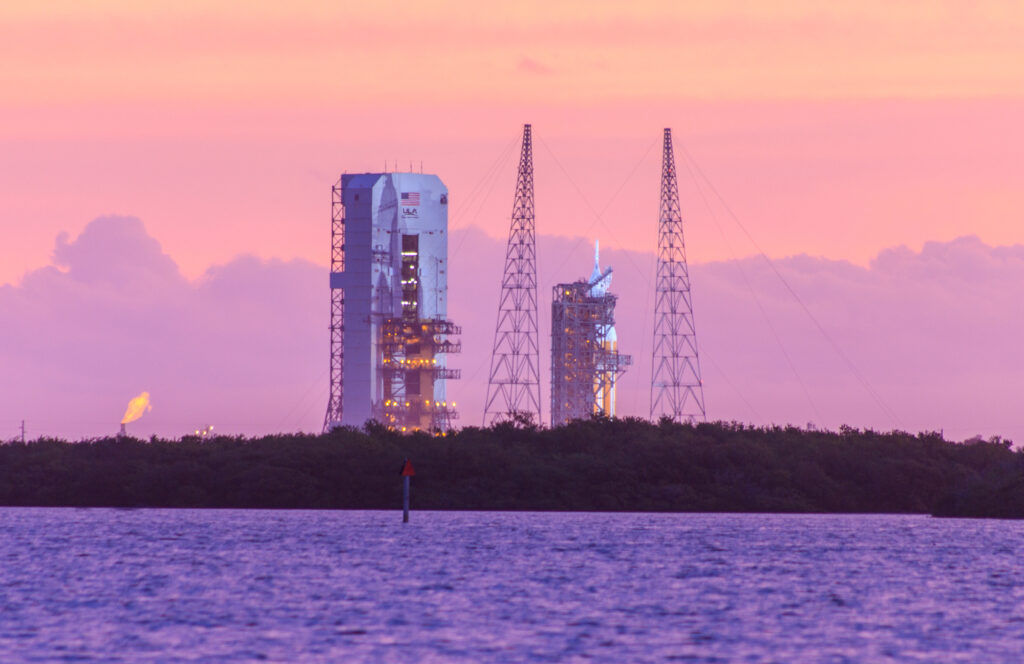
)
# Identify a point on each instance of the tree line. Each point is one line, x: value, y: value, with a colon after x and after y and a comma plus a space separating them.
x: 599, y: 464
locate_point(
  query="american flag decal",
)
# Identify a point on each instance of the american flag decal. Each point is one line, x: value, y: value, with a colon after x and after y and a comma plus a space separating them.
x: 410, y: 198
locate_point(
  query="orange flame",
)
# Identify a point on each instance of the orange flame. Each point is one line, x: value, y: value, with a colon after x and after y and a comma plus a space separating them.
x: 137, y: 407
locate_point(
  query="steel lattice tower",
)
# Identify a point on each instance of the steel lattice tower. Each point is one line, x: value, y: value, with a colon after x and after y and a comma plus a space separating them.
x: 513, y: 390
x: 676, y: 387
x: 337, y: 327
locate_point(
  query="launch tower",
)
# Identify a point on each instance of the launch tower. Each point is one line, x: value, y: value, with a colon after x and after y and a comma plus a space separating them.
x: 585, y: 359
x: 390, y: 335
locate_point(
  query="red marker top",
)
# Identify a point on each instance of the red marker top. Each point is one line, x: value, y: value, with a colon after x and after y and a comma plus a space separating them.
x: 407, y: 469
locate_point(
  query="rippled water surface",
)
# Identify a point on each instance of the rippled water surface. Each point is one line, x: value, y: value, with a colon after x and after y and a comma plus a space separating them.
x: 195, y: 585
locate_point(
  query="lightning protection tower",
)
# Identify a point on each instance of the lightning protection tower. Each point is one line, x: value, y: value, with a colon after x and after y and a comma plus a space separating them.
x: 513, y: 389
x: 676, y: 387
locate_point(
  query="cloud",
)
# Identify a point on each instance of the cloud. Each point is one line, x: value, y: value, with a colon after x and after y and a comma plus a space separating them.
x: 114, y: 316
x: 932, y: 336
x: 116, y: 252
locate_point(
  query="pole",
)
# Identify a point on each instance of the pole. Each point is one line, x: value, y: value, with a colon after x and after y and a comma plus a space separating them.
x: 407, y: 472
x: 405, y: 499
x: 23, y: 432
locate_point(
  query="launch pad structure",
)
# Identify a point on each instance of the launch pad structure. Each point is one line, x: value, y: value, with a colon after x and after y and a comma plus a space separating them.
x: 585, y: 359
x: 390, y: 335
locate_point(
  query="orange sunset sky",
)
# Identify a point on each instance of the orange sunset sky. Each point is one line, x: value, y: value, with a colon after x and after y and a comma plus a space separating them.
x: 835, y: 129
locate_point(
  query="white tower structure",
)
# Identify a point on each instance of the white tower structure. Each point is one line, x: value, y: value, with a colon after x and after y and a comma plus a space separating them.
x: 390, y: 333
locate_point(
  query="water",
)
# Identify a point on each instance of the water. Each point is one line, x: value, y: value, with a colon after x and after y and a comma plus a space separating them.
x: 195, y: 585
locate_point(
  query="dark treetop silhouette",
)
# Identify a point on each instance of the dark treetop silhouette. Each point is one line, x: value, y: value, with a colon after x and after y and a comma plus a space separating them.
x: 600, y: 464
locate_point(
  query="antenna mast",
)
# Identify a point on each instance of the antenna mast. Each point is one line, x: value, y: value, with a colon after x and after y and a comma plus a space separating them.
x: 676, y: 387
x: 513, y: 390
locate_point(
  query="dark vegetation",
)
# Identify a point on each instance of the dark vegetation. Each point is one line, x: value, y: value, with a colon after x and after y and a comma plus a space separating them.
x: 601, y: 464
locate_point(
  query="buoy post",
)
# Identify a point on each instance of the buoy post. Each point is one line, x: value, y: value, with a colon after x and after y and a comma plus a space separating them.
x: 407, y: 473
x: 405, y: 499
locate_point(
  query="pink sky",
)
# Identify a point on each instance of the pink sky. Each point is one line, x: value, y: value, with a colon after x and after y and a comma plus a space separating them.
x: 835, y: 130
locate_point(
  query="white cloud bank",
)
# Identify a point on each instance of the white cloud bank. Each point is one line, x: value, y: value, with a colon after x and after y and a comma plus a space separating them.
x: 935, y: 334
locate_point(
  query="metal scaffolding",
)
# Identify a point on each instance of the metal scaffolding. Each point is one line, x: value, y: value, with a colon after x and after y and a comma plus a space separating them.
x: 513, y: 389
x: 585, y: 362
x: 337, y: 325
x: 677, y: 390
x: 409, y: 368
